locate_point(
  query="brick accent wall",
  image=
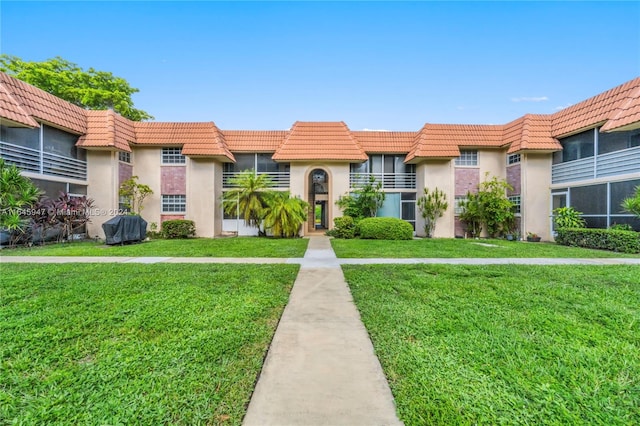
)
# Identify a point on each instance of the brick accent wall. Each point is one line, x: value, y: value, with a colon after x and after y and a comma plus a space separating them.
x: 459, y: 227
x: 171, y: 217
x: 173, y: 180
x: 514, y: 173
x: 467, y: 180
x: 125, y: 171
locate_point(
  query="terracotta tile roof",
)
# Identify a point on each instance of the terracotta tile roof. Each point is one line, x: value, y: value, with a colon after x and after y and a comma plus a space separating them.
x: 531, y: 132
x: 320, y: 141
x: 445, y: 140
x: 385, y: 142
x: 254, y: 140
x: 11, y: 110
x: 107, y: 129
x: 42, y: 105
x: 598, y: 109
x: 197, y: 139
x: 627, y: 115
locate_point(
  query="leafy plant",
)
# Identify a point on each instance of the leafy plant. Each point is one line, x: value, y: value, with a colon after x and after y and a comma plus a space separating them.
x: 134, y: 194
x: 567, y: 217
x: 17, y: 194
x: 385, y: 228
x: 632, y: 204
x: 432, y: 206
x: 621, y: 227
x: 69, y: 213
x: 472, y: 214
x: 248, y: 197
x: 178, y: 228
x: 497, y: 210
x: 364, y: 201
x: 284, y: 214
x: 343, y: 227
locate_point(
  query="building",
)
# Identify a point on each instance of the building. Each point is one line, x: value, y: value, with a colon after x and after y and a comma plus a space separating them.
x: 586, y: 156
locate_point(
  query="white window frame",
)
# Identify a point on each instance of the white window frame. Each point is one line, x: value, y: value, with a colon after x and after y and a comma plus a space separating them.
x: 457, y: 206
x: 513, y: 159
x: 467, y: 158
x: 173, y: 155
x: 517, y: 201
x: 174, y: 203
x: 124, y: 157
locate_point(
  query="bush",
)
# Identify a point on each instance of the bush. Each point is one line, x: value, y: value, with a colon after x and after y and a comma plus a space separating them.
x: 178, y: 228
x: 343, y: 227
x: 603, y: 239
x: 384, y: 228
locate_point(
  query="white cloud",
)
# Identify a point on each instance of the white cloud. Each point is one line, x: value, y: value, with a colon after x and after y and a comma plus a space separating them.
x: 530, y: 99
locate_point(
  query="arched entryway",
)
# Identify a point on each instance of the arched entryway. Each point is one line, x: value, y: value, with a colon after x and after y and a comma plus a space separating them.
x: 318, y: 197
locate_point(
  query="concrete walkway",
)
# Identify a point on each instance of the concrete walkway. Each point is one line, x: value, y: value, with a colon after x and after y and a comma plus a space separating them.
x: 321, y: 368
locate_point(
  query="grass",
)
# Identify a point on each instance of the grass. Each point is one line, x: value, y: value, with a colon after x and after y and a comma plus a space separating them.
x: 506, y: 344
x: 135, y: 344
x: 450, y: 247
x: 196, y: 247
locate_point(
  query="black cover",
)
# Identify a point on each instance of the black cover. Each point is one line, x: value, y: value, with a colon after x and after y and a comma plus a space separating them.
x: 125, y: 229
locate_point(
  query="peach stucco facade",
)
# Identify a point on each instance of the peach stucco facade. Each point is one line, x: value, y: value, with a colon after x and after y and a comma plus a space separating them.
x: 552, y: 158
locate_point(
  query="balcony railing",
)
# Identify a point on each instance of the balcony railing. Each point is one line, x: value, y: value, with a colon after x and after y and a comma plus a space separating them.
x: 610, y: 164
x: 389, y: 180
x: 279, y: 179
x: 33, y: 160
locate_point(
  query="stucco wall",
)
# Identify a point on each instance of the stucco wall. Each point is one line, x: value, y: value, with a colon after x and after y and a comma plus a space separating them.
x: 536, y: 194
x: 201, y: 195
x: 147, y: 167
x: 437, y: 174
x: 103, y: 184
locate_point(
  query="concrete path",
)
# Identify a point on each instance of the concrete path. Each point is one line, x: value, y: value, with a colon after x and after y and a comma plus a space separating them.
x: 316, y: 258
x: 321, y: 368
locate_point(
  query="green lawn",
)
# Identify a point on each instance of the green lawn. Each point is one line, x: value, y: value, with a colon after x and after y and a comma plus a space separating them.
x: 135, y: 344
x: 506, y: 344
x: 451, y: 247
x: 196, y: 247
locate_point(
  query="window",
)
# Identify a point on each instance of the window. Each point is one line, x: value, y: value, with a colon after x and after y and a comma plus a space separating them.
x: 576, y: 147
x: 125, y: 157
x: 123, y: 203
x: 515, y: 199
x: 467, y: 158
x: 616, y: 141
x: 28, y: 138
x: 174, y: 203
x: 172, y: 156
x: 459, y: 201
x: 513, y: 159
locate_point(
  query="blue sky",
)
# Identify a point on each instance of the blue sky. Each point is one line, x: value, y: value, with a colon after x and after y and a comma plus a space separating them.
x: 374, y: 65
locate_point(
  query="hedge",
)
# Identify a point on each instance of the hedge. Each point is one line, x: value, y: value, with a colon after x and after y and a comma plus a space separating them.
x: 343, y: 227
x: 178, y: 228
x: 385, y: 228
x: 603, y: 239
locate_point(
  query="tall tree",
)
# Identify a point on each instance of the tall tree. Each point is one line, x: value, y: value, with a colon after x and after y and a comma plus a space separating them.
x: 90, y: 89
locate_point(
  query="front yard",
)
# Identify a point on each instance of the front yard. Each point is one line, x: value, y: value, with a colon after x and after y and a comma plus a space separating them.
x: 194, y: 247
x: 506, y: 344
x: 135, y: 344
x: 451, y: 247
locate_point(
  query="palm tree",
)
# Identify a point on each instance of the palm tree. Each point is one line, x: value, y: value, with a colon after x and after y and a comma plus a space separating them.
x: 247, y: 198
x: 284, y: 214
x: 632, y: 204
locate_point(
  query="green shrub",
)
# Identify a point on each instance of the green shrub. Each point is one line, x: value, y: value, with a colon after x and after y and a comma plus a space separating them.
x: 343, y: 227
x: 621, y: 227
x: 384, y: 228
x: 603, y: 239
x: 178, y: 228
